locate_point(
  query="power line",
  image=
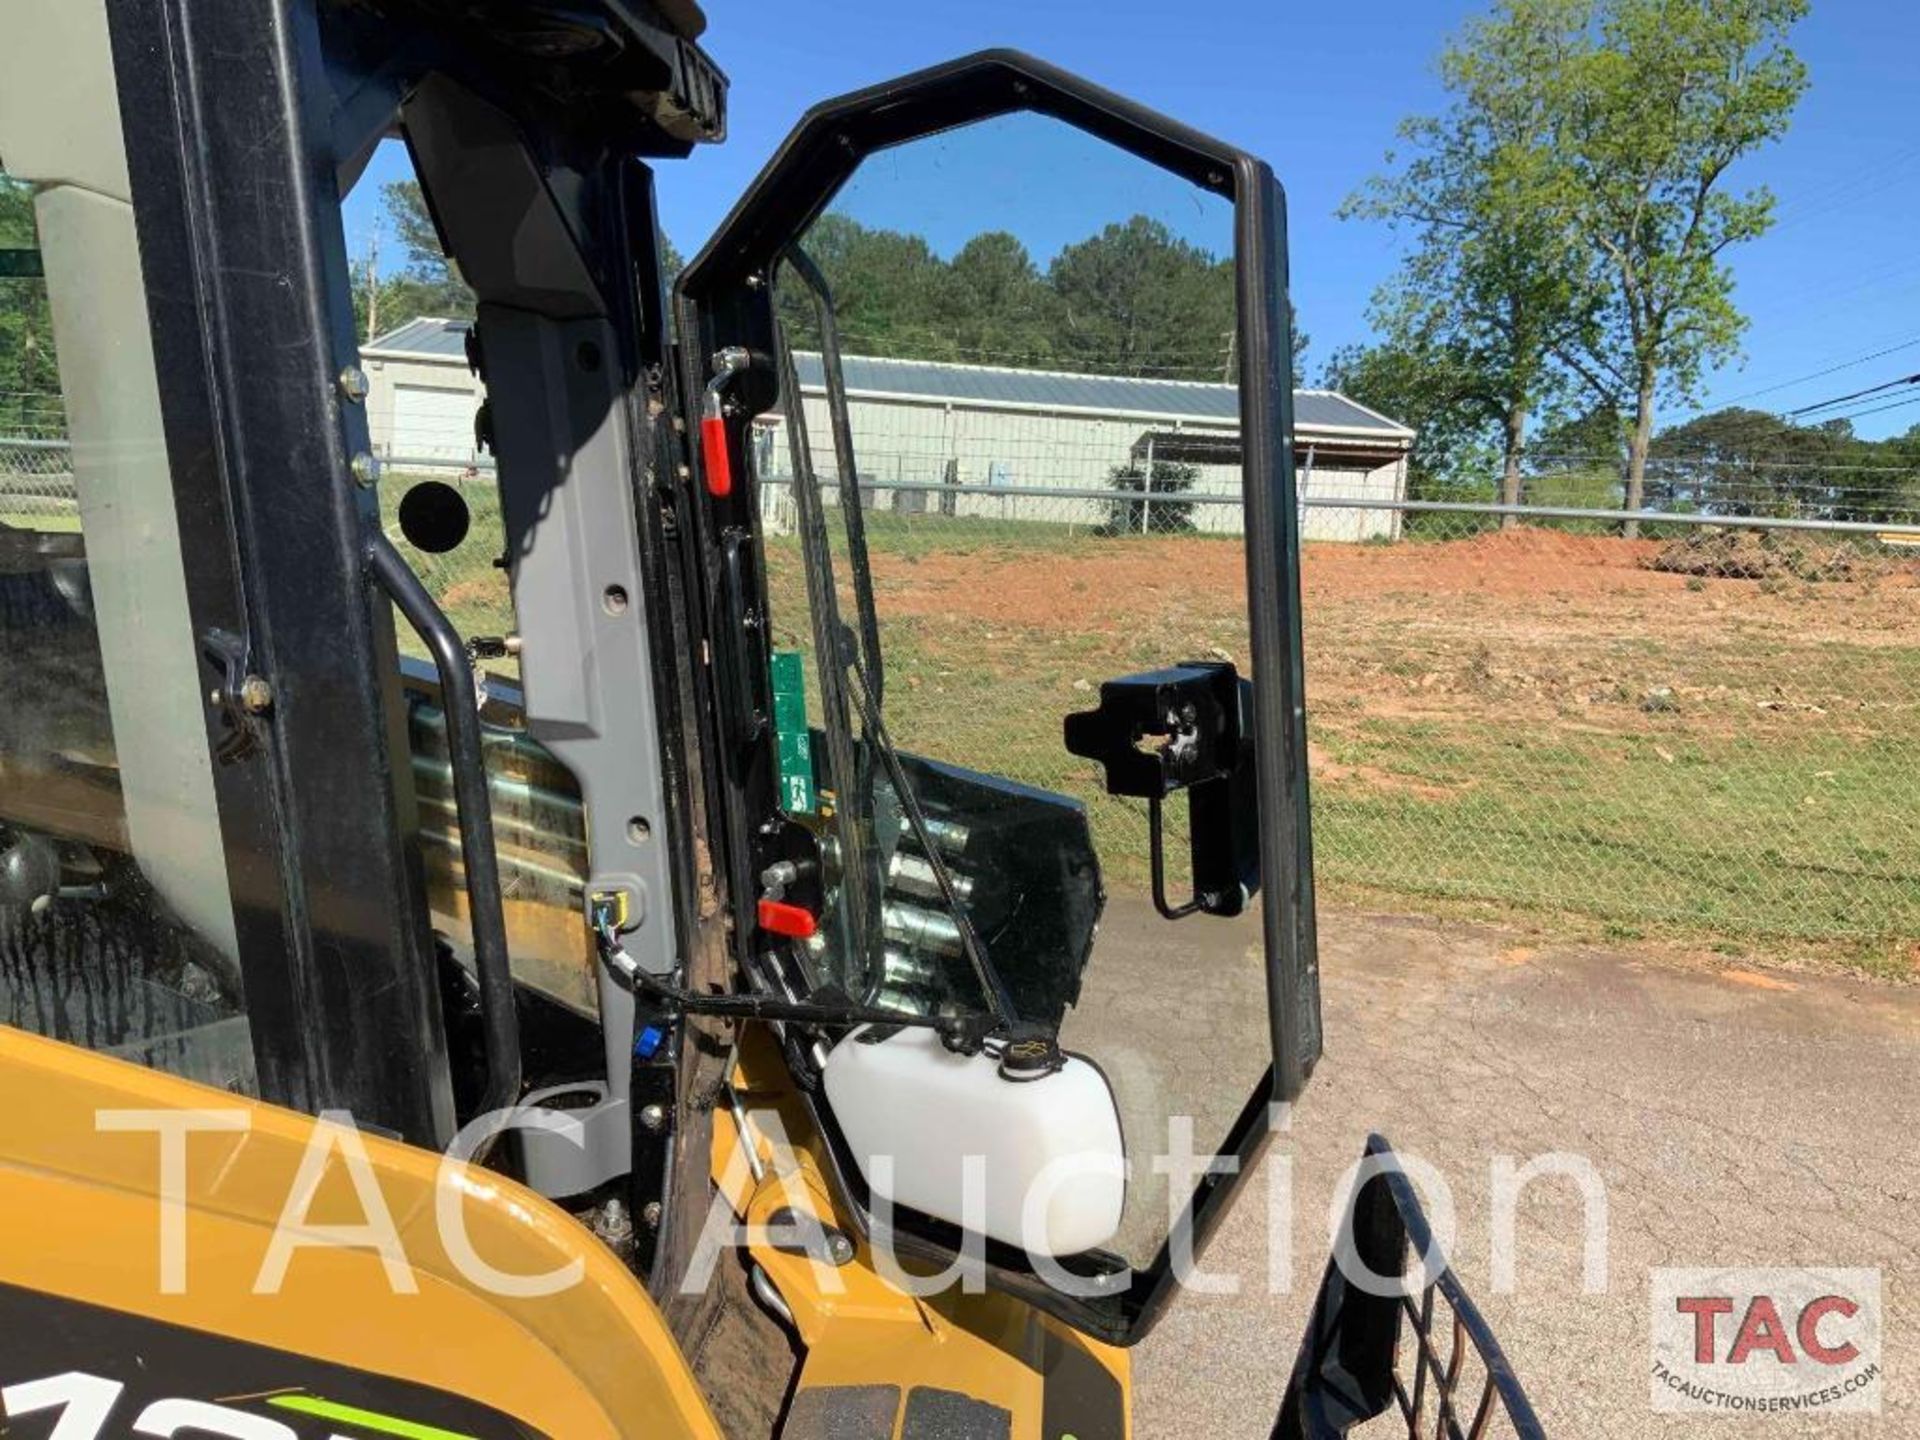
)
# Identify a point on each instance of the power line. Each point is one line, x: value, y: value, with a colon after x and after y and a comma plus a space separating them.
x: 1895, y: 278
x: 1818, y: 374
x: 1882, y: 409
x: 1869, y: 179
x: 1913, y: 379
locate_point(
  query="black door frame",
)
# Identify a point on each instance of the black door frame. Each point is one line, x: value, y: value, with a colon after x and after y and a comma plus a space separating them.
x: 229, y: 130
x: 723, y: 300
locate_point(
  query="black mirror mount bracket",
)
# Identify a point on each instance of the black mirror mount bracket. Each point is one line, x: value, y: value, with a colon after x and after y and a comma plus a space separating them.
x: 1187, y: 728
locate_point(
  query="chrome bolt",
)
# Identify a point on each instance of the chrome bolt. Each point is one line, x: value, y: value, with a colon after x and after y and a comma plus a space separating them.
x: 256, y: 695
x: 353, y: 384
x: 365, y: 468
x: 839, y: 1247
x: 653, y: 1117
x: 650, y: 1214
x: 613, y: 1224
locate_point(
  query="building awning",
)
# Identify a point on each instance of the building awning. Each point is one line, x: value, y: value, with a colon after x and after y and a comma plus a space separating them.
x: 1222, y: 447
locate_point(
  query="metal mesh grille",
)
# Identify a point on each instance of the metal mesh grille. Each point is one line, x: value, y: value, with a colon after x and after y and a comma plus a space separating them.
x: 1384, y: 1351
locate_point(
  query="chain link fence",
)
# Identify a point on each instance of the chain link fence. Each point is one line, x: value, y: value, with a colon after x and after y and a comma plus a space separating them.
x: 1705, y: 731
x: 36, y: 484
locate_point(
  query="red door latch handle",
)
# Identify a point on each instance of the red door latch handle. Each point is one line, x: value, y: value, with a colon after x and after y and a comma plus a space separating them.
x: 713, y: 453
x: 779, y: 917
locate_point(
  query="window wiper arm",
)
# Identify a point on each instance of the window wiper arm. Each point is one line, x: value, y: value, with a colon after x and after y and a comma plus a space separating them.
x: 860, y: 909
x: 993, y: 989
x: 840, y: 423
x: 851, y: 658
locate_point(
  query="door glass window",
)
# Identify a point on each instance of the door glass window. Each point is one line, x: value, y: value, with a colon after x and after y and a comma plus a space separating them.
x: 1034, y: 488
x: 116, y: 927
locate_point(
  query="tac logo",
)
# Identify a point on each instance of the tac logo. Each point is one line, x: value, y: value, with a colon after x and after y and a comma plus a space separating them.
x: 1766, y: 1341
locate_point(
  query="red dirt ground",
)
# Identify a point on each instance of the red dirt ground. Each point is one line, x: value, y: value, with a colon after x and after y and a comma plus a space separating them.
x: 1110, y: 585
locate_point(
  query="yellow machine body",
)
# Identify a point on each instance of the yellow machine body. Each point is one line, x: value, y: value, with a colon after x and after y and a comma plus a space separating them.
x: 82, y: 1186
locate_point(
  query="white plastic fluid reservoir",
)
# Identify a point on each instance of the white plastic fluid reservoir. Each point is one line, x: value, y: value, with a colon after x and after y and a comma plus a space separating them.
x: 1050, y: 1176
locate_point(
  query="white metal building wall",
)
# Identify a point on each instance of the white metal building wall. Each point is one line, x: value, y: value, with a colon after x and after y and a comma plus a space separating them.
x: 995, y: 452
x: 422, y: 408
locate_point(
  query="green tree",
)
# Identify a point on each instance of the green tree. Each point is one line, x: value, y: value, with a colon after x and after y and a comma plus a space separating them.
x: 432, y: 279
x: 887, y: 289
x: 997, y: 305
x: 1494, y: 284
x: 1151, y: 514
x: 30, y: 403
x: 1594, y: 435
x: 1136, y: 299
x: 1748, y: 462
x: 427, y: 282
x: 1434, y: 393
x: 1653, y: 102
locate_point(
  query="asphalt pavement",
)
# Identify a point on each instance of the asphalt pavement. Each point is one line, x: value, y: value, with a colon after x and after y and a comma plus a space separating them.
x: 1735, y: 1116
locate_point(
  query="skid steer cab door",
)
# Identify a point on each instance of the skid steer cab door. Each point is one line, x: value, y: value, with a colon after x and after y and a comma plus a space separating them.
x: 989, y: 374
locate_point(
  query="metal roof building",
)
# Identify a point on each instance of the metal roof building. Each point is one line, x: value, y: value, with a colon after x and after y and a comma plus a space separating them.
x: 981, y: 433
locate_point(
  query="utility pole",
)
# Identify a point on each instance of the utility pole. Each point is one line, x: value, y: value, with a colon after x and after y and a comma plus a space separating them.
x: 1226, y: 370
x: 373, y: 283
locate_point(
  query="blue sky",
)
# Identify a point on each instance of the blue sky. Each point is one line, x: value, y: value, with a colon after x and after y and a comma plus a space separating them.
x: 1318, y: 89
x: 1066, y: 186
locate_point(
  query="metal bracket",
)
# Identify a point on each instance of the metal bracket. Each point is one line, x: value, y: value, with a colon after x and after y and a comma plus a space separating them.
x: 240, y: 728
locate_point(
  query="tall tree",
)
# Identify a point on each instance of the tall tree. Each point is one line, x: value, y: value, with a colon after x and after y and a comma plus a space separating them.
x: 1136, y: 299
x: 1435, y: 393
x: 1494, y: 284
x: 1653, y: 103
x: 428, y: 283
x: 887, y: 290
x: 997, y: 304
x: 1747, y: 462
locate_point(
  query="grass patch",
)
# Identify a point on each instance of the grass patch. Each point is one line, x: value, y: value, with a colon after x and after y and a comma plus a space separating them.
x: 1761, y: 806
x: 1477, y: 751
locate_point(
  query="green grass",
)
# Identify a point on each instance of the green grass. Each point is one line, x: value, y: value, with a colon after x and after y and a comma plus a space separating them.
x: 1795, y: 840
x: 1766, y: 810
x: 1790, y: 840
x: 466, y: 582
x: 1768, y: 806
x: 41, y: 518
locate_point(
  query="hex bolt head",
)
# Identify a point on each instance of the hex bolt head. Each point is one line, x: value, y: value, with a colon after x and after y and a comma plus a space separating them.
x: 353, y: 384
x: 839, y: 1247
x: 365, y: 468
x: 256, y: 695
x: 650, y: 1214
x: 613, y: 1224
x: 653, y: 1117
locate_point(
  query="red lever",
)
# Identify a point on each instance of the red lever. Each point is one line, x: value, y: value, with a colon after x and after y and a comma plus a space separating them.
x: 713, y: 450
x: 781, y: 918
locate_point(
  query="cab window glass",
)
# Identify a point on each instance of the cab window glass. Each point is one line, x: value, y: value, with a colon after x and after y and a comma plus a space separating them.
x: 116, y: 927
x: 1035, y: 490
